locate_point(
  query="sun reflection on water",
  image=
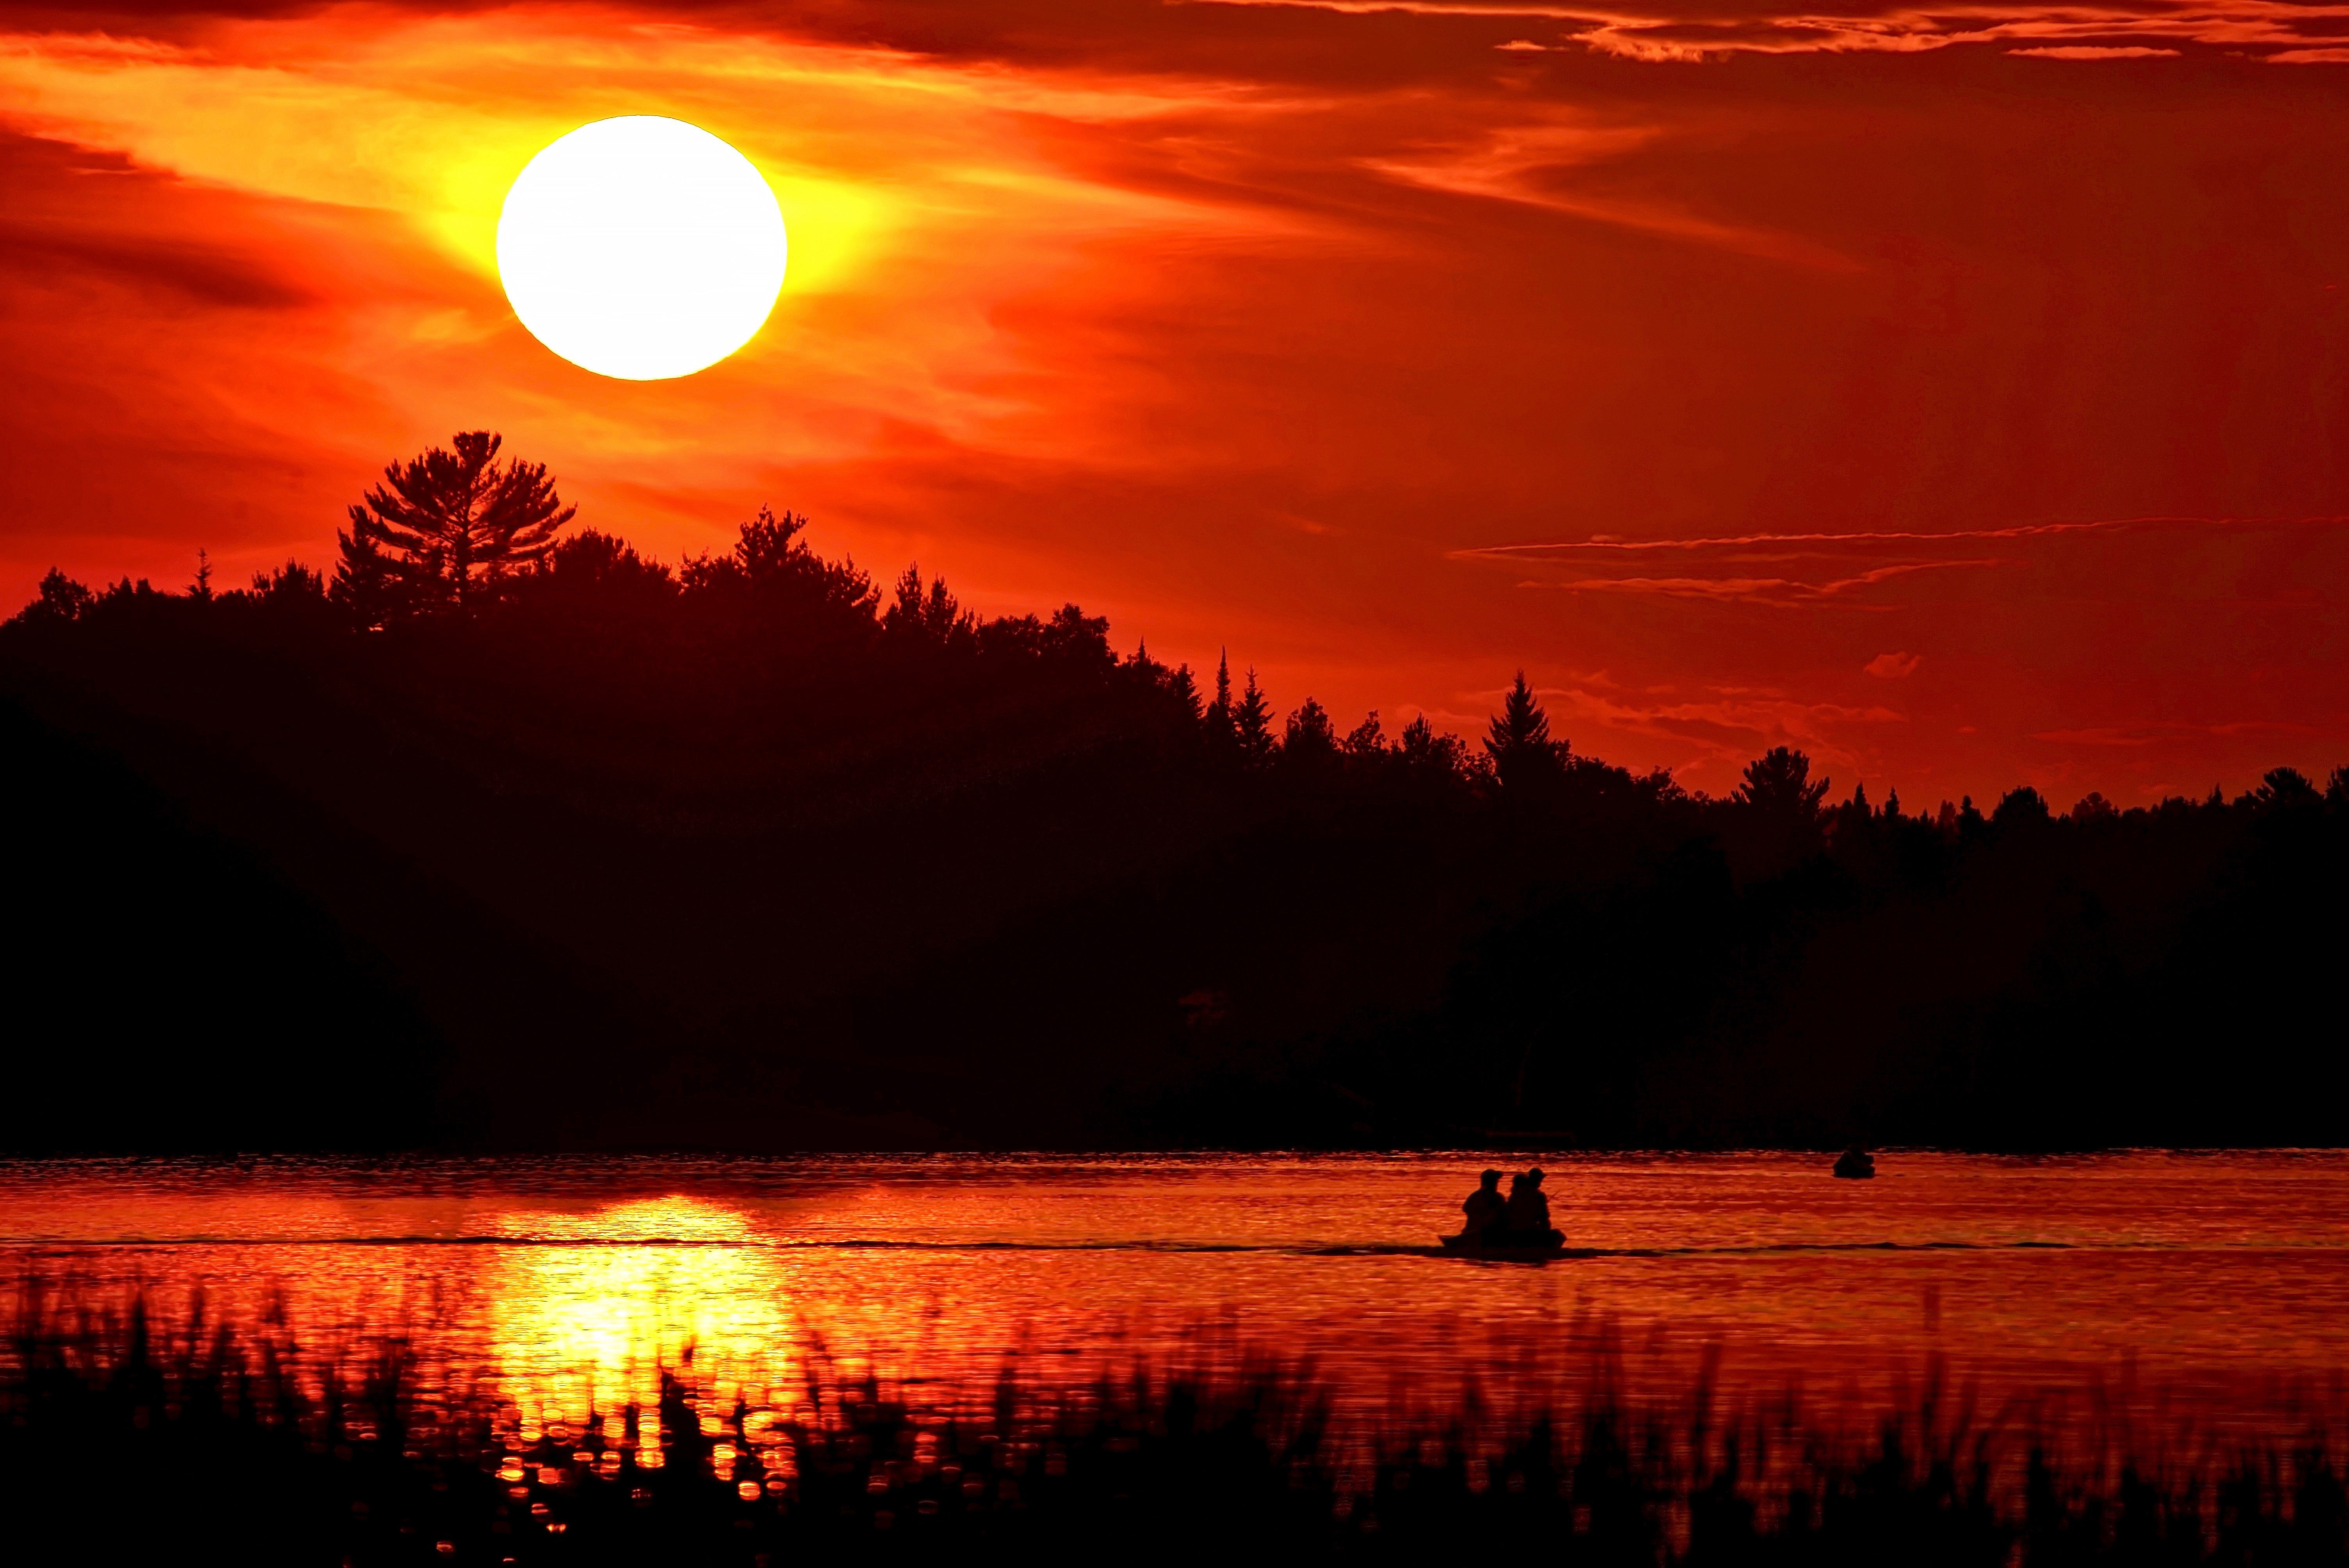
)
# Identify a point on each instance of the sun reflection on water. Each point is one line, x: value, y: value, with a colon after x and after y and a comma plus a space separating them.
x: 588, y: 1317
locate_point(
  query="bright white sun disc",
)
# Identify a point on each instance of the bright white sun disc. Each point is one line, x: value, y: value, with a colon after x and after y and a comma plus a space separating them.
x: 641, y: 248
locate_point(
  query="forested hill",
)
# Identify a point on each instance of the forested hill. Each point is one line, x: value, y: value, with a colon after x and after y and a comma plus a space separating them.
x: 744, y: 856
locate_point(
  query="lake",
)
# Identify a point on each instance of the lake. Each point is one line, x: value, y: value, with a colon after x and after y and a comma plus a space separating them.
x: 2215, y: 1285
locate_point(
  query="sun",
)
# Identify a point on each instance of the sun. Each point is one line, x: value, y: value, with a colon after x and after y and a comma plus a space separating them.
x: 641, y: 248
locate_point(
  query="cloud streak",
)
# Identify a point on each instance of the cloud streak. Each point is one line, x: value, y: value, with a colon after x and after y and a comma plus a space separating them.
x: 2280, y: 30
x: 1875, y: 538
x: 1716, y: 568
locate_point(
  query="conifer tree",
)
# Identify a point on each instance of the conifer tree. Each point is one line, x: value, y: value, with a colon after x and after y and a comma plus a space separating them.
x: 1854, y: 816
x: 1779, y: 784
x: 1176, y: 686
x: 446, y: 531
x: 2091, y: 806
x: 1517, y: 740
x: 1252, y: 722
x: 1310, y: 736
x: 931, y: 615
x: 290, y: 583
x: 771, y: 580
x: 1217, y: 722
x: 2287, y: 786
x: 1181, y: 687
x: 2021, y: 807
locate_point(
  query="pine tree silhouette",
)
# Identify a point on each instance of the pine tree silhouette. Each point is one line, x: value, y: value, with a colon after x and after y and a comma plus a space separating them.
x: 2091, y: 806
x: 290, y: 583
x: 2284, y: 787
x: 1518, y: 740
x: 2020, y: 806
x: 1778, y: 783
x: 1854, y: 816
x: 770, y: 582
x: 1183, y: 690
x: 931, y: 615
x: 1311, y: 737
x: 446, y: 533
x: 1218, y: 723
x: 1252, y: 722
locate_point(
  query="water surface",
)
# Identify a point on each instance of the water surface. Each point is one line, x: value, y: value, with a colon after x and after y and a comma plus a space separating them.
x: 2220, y: 1280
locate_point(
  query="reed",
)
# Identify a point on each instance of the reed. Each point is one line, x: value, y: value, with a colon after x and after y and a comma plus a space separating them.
x: 124, y: 1439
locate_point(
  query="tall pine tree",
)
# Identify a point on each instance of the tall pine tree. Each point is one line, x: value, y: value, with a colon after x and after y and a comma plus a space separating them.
x: 1217, y: 722
x: 1252, y: 722
x: 1517, y: 740
x: 445, y: 533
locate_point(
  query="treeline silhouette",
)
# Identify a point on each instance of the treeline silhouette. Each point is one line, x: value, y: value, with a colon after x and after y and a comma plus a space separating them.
x: 506, y: 839
x: 128, y: 1440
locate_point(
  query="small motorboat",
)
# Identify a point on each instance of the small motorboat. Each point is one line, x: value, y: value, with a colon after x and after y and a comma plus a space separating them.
x: 1857, y: 1164
x: 1467, y: 1246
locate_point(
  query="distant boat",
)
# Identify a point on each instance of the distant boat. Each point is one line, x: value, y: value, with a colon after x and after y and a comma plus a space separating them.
x: 1465, y: 1246
x: 1857, y: 1164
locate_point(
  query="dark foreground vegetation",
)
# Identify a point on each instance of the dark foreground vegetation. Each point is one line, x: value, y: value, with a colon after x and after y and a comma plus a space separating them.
x: 121, y: 1443
x: 504, y: 838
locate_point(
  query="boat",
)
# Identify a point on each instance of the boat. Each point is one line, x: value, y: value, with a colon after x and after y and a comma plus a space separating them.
x: 1857, y: 1164
x: 1465, y: 1246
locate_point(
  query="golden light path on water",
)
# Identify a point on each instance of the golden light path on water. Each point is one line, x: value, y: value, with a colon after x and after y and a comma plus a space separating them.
x: 2217, y: 1284
x: 589, y: 1326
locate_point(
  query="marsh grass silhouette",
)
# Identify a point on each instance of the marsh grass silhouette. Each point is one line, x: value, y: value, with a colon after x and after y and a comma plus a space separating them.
x: 125, y: 1440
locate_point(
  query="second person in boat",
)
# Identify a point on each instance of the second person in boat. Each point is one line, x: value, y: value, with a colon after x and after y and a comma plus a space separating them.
x: 1525, y: 1219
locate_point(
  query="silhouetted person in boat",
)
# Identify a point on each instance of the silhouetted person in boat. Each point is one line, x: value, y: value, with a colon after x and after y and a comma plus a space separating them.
x: 1857, y: 1164
x: 1483, y: 1208
x: 1524, y: 1223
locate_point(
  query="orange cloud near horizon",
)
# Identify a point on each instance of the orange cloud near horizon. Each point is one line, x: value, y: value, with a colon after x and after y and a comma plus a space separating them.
x: 1966, y: 407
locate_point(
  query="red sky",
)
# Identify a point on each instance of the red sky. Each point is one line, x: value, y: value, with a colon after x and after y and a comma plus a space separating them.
x: 1962, y: 394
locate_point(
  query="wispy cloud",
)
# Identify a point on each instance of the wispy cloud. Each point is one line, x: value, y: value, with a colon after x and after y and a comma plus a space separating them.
x: 2094, y: 32
x: 1522, y: 164
x: 2278, y: 30
x: 1719, y: 568
x: 1609, y: 544
x: 2095, y: 52
x: 1782, y: 591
